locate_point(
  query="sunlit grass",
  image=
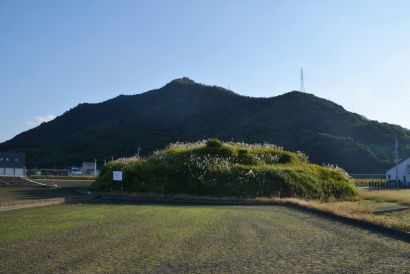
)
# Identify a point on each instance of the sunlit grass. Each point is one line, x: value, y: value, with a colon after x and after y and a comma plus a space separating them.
x: 365, y: 182
x: 401, y: 196
x: 363, y: 207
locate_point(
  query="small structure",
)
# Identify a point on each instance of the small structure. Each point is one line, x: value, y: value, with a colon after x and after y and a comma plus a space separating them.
x: 403, y: 170
x: 89, y: 168
x: 75, y: 170
x: 13, y: 164
x: 50, y: 172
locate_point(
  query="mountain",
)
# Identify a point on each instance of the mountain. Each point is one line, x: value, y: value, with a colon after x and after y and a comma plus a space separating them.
x: 184, y: 110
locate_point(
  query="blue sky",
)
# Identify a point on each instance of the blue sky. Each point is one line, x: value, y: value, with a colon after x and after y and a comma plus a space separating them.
x: 56, y: 54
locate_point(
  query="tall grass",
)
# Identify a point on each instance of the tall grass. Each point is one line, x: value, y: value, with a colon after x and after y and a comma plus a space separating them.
x: 364, y: 205
x: 210, y: 168
x: 401, y: 196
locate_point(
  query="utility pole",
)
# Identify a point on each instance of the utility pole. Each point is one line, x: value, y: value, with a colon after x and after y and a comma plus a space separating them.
x: 95, y: 167
x: 138, y: 152
x: 396, y: 145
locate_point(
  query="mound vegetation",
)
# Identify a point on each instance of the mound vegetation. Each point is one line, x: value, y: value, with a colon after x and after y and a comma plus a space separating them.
x: 213, y: 168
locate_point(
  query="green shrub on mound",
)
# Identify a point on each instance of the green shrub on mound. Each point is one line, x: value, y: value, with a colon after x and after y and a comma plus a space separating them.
x: 213, y: 168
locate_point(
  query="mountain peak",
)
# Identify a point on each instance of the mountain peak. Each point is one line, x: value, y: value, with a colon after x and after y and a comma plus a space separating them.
x: 184, y: 80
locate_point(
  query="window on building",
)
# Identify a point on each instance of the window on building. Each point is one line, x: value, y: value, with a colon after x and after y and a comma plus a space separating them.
x: 7, y: 159
x: 408, y: 169
x: 1, y: 159
x: 16, y: 160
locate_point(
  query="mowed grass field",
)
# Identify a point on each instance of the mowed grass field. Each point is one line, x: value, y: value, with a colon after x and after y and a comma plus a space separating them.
x: 102, y: 237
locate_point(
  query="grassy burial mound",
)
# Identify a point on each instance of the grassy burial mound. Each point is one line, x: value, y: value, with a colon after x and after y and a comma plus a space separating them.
x: 213, y: 168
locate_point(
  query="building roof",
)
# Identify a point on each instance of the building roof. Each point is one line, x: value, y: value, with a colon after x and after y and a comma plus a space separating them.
x: 12, y: 159
x: 399, y: 162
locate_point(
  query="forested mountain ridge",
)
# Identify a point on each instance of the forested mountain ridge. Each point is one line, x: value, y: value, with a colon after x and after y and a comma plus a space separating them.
x: 183, y: 110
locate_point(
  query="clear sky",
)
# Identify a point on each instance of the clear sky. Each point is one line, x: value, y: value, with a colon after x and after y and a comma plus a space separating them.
x: 55, y: 54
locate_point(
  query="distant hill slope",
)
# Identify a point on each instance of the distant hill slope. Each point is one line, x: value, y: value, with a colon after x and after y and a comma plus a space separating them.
x: 183, y: 110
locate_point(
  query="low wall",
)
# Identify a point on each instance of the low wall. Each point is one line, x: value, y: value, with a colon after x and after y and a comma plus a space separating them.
x: 44, y: 202
x: 65, y: 182
x: 27, y: 203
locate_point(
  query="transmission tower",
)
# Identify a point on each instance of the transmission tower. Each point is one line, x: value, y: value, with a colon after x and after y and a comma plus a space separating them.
x: 302, y: 81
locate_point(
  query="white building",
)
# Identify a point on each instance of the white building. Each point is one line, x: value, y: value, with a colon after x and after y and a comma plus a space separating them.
x: 403, y: 172
x: 89, y: 168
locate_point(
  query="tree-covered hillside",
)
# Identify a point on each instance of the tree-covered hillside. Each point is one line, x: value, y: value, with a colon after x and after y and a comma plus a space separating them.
x: 183, y: 110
